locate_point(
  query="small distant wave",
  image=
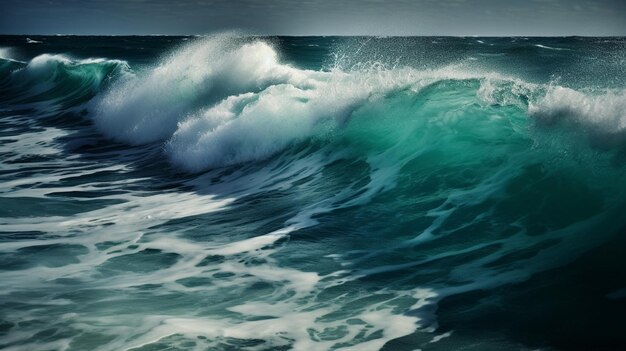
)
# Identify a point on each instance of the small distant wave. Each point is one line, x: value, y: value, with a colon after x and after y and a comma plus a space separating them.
x: 56, y: 80
x: 549, y: 47
x: 32, y: 41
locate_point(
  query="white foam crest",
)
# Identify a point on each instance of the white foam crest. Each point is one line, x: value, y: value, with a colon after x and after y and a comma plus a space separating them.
x: 505, y: 91
x: 277, y: 117
x: 48, y: 62
x: 605, y: 111
x: 5, y: 53
x: 254, y: 126
x: 148, y: 108
x: 549, y: 47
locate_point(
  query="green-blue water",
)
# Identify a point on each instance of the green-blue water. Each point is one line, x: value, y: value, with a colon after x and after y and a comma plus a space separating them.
x: 315, y: 193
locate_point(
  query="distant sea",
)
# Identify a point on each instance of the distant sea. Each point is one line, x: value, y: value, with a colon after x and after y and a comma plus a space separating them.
x: 312, y: 193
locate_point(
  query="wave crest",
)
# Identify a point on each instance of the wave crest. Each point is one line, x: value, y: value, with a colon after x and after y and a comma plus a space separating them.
x: 605, y: 112
x: 148, y: 108
x: 57, y: 80
x: 221, y: 101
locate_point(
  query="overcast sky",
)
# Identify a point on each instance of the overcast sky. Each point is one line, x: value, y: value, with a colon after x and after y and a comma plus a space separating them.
x: 315, y: 17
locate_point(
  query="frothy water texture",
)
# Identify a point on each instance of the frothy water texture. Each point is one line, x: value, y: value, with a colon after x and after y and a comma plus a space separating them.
x: 320, y: 193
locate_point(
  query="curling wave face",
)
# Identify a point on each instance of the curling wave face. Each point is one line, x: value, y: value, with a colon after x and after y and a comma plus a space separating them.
x: 55, y: 81
x: 357, y: 207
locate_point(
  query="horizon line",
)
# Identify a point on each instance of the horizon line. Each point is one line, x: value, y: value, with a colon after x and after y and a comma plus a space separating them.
x: 325, y: 35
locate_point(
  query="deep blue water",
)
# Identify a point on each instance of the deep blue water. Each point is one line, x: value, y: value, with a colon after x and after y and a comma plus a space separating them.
x: 312, y: 193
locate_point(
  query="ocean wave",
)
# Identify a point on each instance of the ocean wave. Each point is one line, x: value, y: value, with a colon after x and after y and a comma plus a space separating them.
x: 57, y: 80
x: 217, y: 102
x: 214, y: 114
x: 226, y: 100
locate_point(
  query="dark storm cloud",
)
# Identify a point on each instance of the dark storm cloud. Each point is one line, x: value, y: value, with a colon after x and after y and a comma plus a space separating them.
x: 322, y: 17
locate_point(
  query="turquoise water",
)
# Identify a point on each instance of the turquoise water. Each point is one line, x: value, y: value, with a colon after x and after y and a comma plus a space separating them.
x: 315, y: 193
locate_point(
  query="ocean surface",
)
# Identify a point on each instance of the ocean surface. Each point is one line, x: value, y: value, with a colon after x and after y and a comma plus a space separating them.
x: 312, y: 193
